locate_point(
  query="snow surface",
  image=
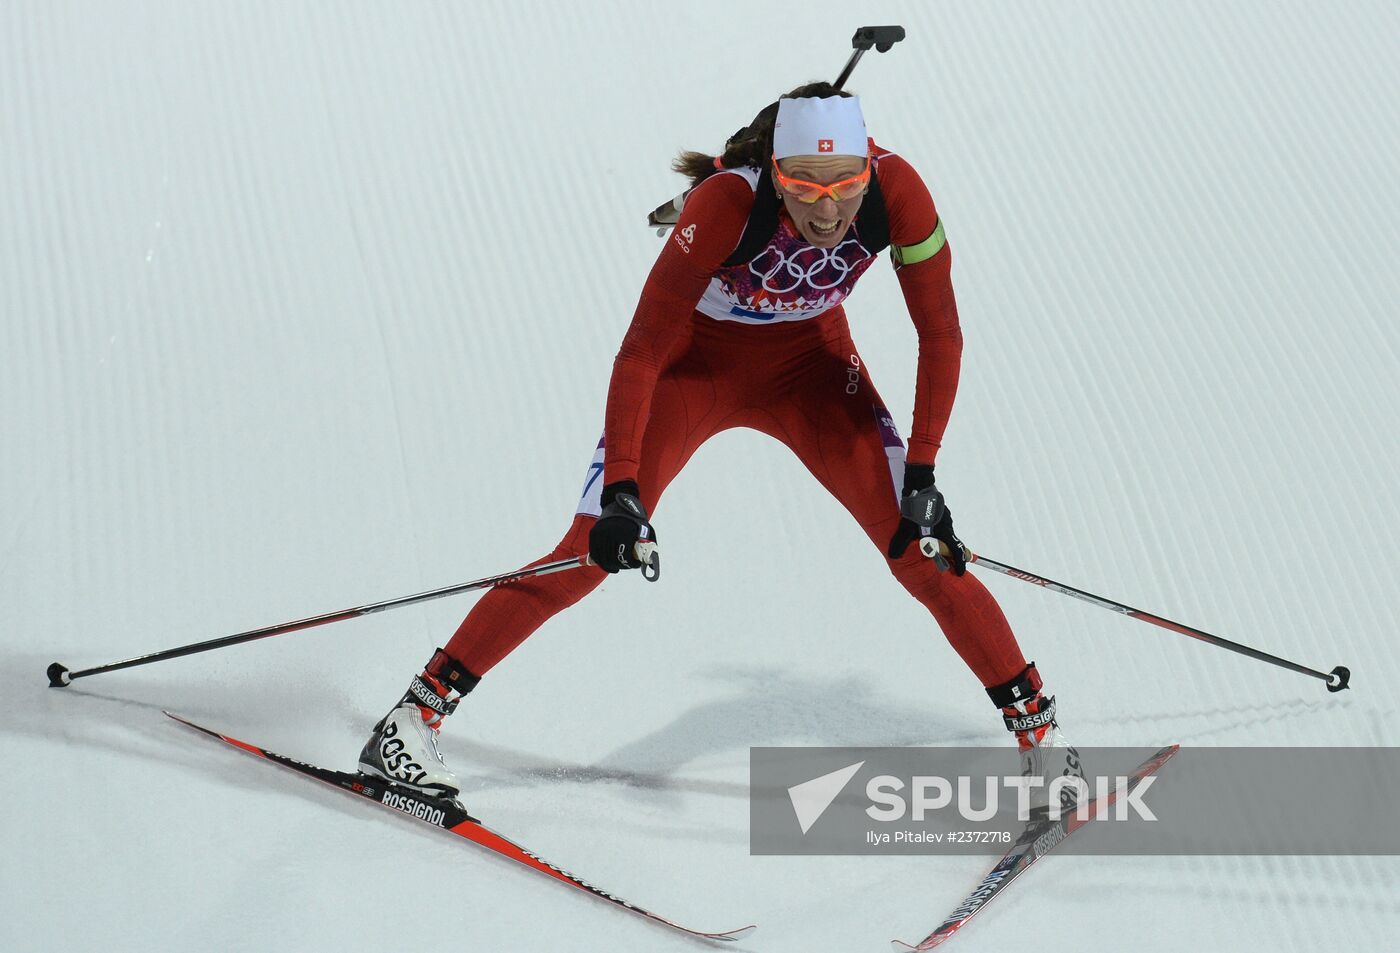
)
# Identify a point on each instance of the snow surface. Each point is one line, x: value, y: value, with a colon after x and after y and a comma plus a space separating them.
x: 309, y: 305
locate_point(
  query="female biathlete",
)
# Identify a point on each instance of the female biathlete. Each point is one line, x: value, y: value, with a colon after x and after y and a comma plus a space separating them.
x: 740, y: 324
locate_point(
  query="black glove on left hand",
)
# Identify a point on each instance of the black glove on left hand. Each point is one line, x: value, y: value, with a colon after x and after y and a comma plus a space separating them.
x: 612, y: 543
x: 922, y: 506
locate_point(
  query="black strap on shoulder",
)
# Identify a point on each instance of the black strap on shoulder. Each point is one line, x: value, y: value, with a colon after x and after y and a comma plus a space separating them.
x: 873, y: 221
x: 762, y: 224
x: 873, y: 218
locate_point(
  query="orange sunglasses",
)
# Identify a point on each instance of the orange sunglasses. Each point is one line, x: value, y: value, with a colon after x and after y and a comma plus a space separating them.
x: 811, y: 192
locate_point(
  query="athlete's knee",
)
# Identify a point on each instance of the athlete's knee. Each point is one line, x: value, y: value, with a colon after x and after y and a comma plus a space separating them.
x: 573, y: 584
x: 922, y: 578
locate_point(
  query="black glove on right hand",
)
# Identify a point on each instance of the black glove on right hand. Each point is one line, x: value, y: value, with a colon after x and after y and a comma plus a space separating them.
x: 612, y: 543
x: 922, y: 506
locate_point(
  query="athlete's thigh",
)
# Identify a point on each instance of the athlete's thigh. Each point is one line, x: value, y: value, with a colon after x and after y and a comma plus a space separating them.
x: 687, y: 407
x: 834, y: 420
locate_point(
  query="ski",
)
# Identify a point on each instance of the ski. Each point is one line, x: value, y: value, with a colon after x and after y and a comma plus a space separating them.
x: 1037, y: 840
x: 453, y: 818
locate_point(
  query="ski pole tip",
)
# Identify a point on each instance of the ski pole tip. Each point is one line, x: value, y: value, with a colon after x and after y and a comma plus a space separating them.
x: 1338, y: 679
x: 58, y: 676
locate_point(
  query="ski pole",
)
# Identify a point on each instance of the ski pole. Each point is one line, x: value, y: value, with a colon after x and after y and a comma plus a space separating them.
x: 60, y: 676
x: 881, y: 38
x: 1337, y: 679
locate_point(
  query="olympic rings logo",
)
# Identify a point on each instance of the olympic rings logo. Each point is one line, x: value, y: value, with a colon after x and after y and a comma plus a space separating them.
x: 820, y: 269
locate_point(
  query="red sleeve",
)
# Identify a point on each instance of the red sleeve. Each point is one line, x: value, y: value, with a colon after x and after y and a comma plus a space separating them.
x: 928, y: 293
x: 708, y: 231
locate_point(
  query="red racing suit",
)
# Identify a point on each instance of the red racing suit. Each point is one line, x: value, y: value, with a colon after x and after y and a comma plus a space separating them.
x: 764, y: 344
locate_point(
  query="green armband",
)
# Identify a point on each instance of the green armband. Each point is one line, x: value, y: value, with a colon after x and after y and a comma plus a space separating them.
x: 913, y: 254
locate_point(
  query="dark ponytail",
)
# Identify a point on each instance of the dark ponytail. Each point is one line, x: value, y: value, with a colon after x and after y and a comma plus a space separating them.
x: 751, y: 145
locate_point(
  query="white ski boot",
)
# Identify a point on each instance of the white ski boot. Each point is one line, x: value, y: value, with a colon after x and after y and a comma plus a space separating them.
x: 403, y: 747
x: 1045, y: 752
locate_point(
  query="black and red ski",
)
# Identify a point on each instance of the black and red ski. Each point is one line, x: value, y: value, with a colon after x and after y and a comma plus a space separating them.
x: 1037, y: 840
x: 453, y: 818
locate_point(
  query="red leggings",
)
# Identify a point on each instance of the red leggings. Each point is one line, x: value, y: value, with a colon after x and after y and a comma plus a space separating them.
x: 802, y: 383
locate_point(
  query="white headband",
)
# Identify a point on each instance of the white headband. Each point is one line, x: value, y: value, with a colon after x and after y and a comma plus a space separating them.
x: 809, y: 127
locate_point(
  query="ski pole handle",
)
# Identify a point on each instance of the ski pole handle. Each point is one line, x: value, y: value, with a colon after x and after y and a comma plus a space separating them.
x: 933, y: 548
x: 650, y: 558
x: 647, y: 554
